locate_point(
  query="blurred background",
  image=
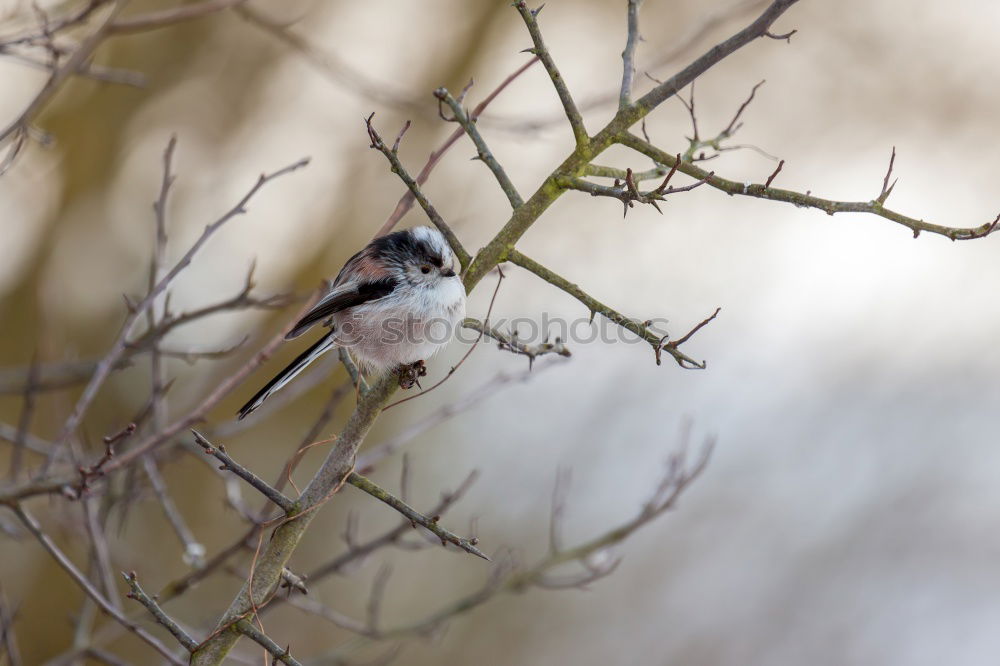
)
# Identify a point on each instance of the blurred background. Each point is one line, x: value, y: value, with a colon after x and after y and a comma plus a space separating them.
x: 849, y: 512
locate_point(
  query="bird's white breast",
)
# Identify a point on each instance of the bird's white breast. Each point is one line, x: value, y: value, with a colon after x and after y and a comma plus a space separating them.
x: 410, y: 324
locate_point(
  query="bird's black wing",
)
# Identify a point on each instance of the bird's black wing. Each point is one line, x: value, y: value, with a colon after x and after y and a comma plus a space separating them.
x: 343, y: 297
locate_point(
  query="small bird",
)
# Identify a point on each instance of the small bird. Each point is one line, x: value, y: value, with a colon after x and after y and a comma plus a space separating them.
x: 394, y: 304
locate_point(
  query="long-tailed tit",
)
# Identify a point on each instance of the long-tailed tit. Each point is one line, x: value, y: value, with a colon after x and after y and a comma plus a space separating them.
x: 394, y: 304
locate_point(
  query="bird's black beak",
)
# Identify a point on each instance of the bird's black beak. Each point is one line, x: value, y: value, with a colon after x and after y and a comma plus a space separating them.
x: 448, y: 273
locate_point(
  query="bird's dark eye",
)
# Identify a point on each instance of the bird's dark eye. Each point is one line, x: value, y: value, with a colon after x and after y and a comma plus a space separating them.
x: 425, y: 269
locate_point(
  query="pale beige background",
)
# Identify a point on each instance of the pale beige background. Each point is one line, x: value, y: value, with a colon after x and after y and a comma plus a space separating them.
x: 849, y: 514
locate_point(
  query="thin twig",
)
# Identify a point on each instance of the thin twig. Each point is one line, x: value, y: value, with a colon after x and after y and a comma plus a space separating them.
x: 429, y: 523
x: 29, y: 521
x: 483, y: 151
x: 136, y: 592
x: 109, y: 361
x: 628, y: 55
x: 360, y: 551
x: 886, y: 187
x: 279, y: 653
x: 219, y: 452
x: 529, y: 16
x: 807, y: 200
x: 774, y: 174
x: 512, y: 344
x: 406, y: 201
x: 596, y: 307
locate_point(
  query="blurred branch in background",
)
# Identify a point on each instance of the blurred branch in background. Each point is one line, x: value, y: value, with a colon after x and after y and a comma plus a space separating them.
x: 67, y: 469
x: 51, y: 46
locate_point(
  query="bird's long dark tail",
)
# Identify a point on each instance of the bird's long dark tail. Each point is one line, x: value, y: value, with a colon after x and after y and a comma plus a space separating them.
x: 323, y: 345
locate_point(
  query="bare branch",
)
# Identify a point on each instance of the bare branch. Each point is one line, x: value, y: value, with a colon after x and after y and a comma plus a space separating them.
x: 807, y: 200
x: 529, y: 16
x: 886, y: 187
x: 732, y: 126
x: 279, y: 653
x: 406, y: 201
x: 24, y: 422
x: 69, y: 67
x: 194, y: 551
x: 507, y: 576
x: 674, y: 84
x: 374, y: 610
x: 219, y: 452
x: 787, y: 37
x: 628, y: 193
x: 484, y: 153
x: 638, y: 327
x: 136, y: 592
x: 628, y: 55
x: 89, y: 589
x: 512, y: 344
x: 360, y: 551
x: 167, y: 17
x: 117, y: 350
x: 430, y: 524
x: 774, y: 174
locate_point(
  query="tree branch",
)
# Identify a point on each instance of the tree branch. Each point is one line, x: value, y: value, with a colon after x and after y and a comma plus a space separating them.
x: 529, y: 16
x: 759, y: 28
x: 269, y: 565
x: 279, y: 653
x: 117, y: 350
x: 84, y: 584
x: 484, y: 153
x: 136, y: 592
x: 219, y: 453
x: 762, y: 191
x: 406, y: 201
x: 359, y: 551
x: 415, y: 518
x: 638, y: 327
x: 628, y: 55
x: 508, y: 577
x: 512, y: 344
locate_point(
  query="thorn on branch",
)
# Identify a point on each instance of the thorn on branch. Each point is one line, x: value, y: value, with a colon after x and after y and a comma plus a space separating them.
x: 111, y: 440
x: 886, y: 187
x: 787, y: 37
x: 88, y: 473
x: 293, y: 581
x: 509, y: 342
x: 465, y: 90
x: 774, y: 174
x: 689, y: 105
x: 628, y: 192
x: 732, y: 127
x: 677, y: 343
x: 399, y: 137
x: 373, y: 136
